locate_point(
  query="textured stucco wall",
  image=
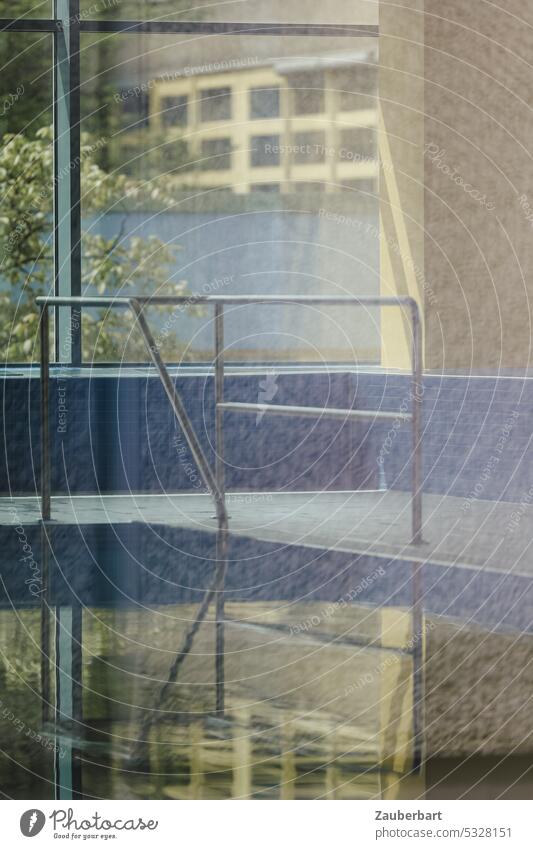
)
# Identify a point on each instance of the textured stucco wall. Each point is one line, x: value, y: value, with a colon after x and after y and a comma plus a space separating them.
x: 478, y: 129
x: 478, y: 691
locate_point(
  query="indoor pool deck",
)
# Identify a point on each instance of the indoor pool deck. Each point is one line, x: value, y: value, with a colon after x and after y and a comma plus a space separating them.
x: 482, y: 535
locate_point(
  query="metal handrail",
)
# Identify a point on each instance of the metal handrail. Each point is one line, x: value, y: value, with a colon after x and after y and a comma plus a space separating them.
x: 214, y: 481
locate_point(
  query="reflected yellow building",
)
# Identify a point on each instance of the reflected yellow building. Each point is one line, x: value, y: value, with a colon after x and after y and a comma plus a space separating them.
x: 274, y: 127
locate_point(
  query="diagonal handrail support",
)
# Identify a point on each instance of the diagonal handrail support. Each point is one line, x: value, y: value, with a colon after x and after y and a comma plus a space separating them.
x: 212, y: 483
x: 137, y: 306
x: 182, y: 417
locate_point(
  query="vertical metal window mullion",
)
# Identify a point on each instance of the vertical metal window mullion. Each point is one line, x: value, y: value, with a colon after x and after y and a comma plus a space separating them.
x: 67, y: 273
x: 67, y: 164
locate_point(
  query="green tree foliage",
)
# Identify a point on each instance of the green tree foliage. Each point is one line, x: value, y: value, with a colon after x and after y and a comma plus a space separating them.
x: 122, y: 263
x: 25, y: 79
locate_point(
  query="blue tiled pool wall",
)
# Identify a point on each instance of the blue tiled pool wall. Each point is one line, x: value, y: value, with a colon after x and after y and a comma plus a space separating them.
x: 135, y: 565
x: 120, y: 434
x: 116, y: 434
x: 477, y: 434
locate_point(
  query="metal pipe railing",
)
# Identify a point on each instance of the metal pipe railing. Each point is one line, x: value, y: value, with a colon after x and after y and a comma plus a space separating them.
x: 214, y: 481
x: 312, y: 412
x: 241, y: 300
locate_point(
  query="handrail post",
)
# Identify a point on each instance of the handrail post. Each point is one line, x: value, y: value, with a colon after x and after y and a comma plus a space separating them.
x: 45, y: 412
x: 219, y: 398
x: 220, y: 580
x: 417, y: 392
x: 416, y: 406
x: 222, y: 535
x: 45, y: 508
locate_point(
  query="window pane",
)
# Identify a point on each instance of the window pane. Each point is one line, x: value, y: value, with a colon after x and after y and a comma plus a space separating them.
x: 309, y: 148
x: 265, y: 187
x: 265, y: 151
x: 174, y: 111
x: 26, y: 250
x: 274, y: 11
x: 215, y: 104
x: 264, y: 103
x: 26, y: 227
x: 307, y: 90
x: 27, y: 749
x: 134, y: 113
x: 358, y: 144
x: 229, y: 159
x: 358, y: 92
x: 216, y: 154
x: 25, y: 8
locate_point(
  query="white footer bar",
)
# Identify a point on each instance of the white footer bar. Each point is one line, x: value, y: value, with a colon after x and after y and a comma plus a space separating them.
x: 266, y: 824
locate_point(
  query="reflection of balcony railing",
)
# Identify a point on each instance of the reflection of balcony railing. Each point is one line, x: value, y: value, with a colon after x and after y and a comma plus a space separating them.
x: 214, y: 482
x: 214, y: 479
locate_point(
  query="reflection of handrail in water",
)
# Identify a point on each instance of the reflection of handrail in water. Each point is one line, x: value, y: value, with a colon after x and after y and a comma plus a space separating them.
x: 214, y: 481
